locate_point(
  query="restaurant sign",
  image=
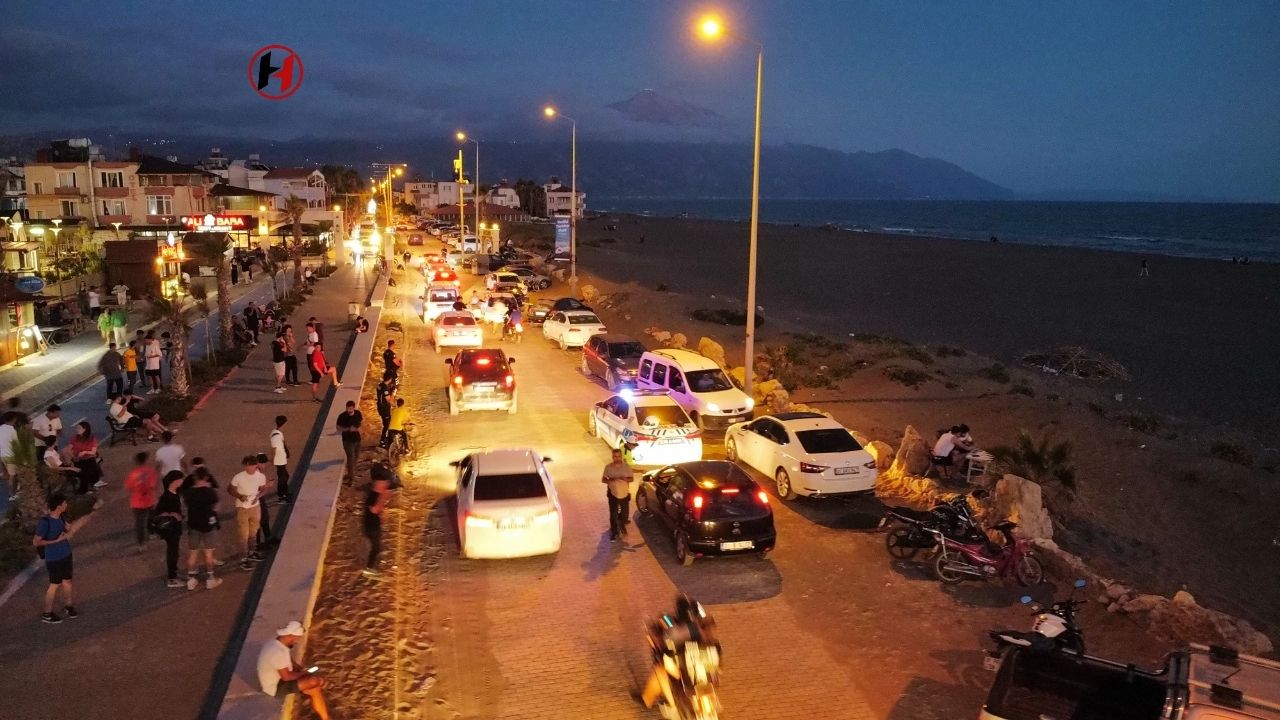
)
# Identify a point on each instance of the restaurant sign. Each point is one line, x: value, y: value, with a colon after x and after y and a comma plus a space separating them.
x: 29, y: 284
x: 222, y: 222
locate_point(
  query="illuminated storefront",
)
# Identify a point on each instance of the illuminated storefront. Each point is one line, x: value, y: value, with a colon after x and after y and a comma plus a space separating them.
x: 242, y: 227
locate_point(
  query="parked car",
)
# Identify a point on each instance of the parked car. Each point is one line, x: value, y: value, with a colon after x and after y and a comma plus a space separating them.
x: 481, y: 379
x: 612, y: 358
x: 804, y: 452
x: 696, y: 382
x: 505, y: 281
x: 456, y: 329
x: 456, y: 258
x: 568, y: 303
x: 712, y: 507
x: 439, y: 298
x: 493, y: 307
x: 537, y: 312
x: 657, y: 430
x: 531, y: 279
x: 507, y: 505
x: 469, y: 244
x: 415, y: 239
x: 571, y: 328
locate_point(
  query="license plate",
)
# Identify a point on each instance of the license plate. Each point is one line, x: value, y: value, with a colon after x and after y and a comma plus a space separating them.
x: 511, y: 524
x: 739, y: 545
x: 671, y: 441
x: 485, y: 387
x: 846, y: 471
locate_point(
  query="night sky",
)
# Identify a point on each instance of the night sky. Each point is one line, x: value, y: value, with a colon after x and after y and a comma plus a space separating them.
x: 1179, y: 98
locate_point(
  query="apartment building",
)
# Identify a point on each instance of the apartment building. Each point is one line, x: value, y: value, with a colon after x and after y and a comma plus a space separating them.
x: 306, y: 183
x: 560, y: 199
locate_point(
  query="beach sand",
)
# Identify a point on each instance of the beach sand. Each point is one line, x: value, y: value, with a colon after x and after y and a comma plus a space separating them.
x: 1151, y: 505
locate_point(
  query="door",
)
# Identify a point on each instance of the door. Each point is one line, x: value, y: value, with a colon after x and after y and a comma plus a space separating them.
x: 770, y: 437
x: 553, y: 328
x: 609, y: 424
x: 596, y: 354
x: 466, y: 475
x: 670, y: 491
x: 746, y: 441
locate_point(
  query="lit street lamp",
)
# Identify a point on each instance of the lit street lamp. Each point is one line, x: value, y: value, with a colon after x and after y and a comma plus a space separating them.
x: 553, y: 113
x: 116, y: 225
x: 475, y: 196
x: 712, y: 29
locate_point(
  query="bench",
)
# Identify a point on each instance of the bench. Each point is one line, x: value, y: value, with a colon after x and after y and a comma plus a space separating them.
x: 120, y: 431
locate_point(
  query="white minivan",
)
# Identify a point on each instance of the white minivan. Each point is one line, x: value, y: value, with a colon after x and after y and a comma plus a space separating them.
x: 439, y: 298
x: 697, y: 383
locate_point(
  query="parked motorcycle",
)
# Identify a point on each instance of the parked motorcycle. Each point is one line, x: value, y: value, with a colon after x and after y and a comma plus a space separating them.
x: 515, y: 331
x: 1054, y: 628
x: 983, y: 559
x: 911, y: 529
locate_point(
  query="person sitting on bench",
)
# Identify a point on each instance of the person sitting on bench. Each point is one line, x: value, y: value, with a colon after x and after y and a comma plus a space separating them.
x: 121, y: 415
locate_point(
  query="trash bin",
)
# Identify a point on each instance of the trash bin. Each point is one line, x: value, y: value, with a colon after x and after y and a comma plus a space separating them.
x: 353, y: 310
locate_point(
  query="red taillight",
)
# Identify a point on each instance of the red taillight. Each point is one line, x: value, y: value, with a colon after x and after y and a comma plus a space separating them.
x: 729, y: 491
x: 509, y: 380
x: 811, y: 468
x: 697, y: 501
x: 764, y: 499
x: 457, y: 379
x: 482, y: 361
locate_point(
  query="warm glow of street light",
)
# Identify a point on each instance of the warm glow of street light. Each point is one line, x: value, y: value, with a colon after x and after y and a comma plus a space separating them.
x: 399, y: 172
x: 337, y: 208
x: 710, y: 27
x: 461, y: 136
x: 549, y: 111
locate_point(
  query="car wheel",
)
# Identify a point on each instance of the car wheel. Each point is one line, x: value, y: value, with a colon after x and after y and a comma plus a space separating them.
x: 682, y: 549
x: 564, y: 345
x: 642, y: 503
x: 586, y: 370
x: 453, y: 404
x: 611, y: 380
x: 511, y: 409
x: 730, y: 450
x: 783, y: 481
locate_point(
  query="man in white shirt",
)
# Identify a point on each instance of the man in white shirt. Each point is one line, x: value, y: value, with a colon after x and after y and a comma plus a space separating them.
x: 170, y: 456
x: 280, y: 460
x: 279, y: 675
x: 8, y: 433
x: 53, y: 460
x: 95, y: 303
x: 122, y: 294
x: 246, y: 487
x: 47, y: 426
x: 152, y: 353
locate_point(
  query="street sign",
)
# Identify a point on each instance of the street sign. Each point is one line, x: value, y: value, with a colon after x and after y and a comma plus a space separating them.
x: 29, y: 284
x: 562, y: 236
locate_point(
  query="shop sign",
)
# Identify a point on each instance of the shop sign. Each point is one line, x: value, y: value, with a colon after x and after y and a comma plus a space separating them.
x: 226, y: 223
x: 29, y: 284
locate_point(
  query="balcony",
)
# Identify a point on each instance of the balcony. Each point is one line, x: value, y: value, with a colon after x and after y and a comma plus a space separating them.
x: 108, y: 219
x: 112, y: 192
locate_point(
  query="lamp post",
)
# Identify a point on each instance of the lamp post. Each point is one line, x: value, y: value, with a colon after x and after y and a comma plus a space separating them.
x: 553, y: 113
x: 712, y: 29
x: 116, y: 225
x: 475, y: 196
x: 393, y: 170
x: 57, y: 228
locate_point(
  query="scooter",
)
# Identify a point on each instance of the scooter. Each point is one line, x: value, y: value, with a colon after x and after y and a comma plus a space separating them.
x: 693, y: 675
x: 983, y: 559
x: 911, y: 529
x: 1054, y: 628
x: 513, y: 330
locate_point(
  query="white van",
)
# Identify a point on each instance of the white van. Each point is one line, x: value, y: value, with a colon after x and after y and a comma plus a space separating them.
x: 699, y: 385
x: 439, y: 298
x: 469, y: 244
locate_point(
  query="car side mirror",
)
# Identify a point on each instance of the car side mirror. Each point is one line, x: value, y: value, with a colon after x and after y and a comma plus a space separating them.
x: 454, y: 463
x: 546, y: 459
x: 511, y: 361
x: 448, y: 361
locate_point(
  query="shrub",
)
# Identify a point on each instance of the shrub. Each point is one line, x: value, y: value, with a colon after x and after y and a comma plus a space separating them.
x: 1022, y: 388
x: 873, y: 339
x: 1142, y: 422
x: 723, y: 316
x: 920, y: 355
x: 1040, y: 460
x: 943, y: 351
x: 910, y: 377
x: 1232, y: 453
x: 662, y: 287
x: 16, y: 551
x: 1053, y: 397
x: 1097, y: 409
x: 995, y: 373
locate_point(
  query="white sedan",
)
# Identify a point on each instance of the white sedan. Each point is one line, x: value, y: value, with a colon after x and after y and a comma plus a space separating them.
x: 571, y: 328
x: 456, y: 329
x: 507, y: 505
x: 505, y: 282
x: 656, y: 428
x: 806, y: 454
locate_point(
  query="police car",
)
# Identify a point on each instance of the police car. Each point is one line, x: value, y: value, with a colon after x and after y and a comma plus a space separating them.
x: 655, y: 429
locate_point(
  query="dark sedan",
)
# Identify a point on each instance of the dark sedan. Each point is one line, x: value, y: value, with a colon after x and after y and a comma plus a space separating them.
x: 712, y: 507
x: 612, y: 358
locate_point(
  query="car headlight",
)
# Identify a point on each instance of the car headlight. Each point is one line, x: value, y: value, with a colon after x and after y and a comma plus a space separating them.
x: 750, y: 403
x: 713, y: 407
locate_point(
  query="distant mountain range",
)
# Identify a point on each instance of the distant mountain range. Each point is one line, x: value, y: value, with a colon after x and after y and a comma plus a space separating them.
x: 648, y: 106
x: 605, y: 168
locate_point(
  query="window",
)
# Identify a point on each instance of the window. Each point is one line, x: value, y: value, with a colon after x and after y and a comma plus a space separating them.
x: 39, y: 214
x: 67, y: 179
x: 828, y: 440
x: 586, y: 319
x: 709, y: 381
x: 111, y: 179
x: 516, y: 486
x: 68, y: 208
x: 159, y: 205
x: 661, y: 415
x: 659, y: 374
x: 621, y: 409
x: 645, y: 368
x: 113, y: 207
x: 677, y: 380
x: 37, y: 188
x: 773, y: 431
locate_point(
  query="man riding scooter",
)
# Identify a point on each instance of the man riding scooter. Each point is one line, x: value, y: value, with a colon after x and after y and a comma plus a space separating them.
x: 684, y: 649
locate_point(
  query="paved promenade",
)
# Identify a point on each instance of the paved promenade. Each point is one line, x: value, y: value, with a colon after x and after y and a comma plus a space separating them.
x: 139, y: 649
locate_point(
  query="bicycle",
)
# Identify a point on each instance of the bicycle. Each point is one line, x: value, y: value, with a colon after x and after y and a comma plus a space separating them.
x: 399, y: 445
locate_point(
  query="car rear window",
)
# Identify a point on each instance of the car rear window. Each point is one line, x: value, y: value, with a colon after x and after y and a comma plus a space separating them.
x: 443, y: 295
x: 828, y: 440
x: 583, y: 320
x: 724, y: 503
x: 520, y: 486
x: 459, y: 320
x: 658, y: 415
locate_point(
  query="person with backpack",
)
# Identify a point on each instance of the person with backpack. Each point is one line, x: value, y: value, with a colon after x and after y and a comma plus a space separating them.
x: 166, y: 522
x: 53, y: 544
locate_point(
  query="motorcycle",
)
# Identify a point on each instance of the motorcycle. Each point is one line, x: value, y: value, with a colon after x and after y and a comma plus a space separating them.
x: 1054, y: 628
x: 983, y: 559
x: 693, y: 675
x: 910, y: 532
x: 513, y: 330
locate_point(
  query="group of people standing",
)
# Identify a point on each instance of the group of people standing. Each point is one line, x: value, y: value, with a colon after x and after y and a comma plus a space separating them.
x: 284, y: 359
x: 120, y: 364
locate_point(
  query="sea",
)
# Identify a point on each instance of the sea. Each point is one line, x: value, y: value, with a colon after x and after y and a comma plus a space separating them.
x: 1202, y: 230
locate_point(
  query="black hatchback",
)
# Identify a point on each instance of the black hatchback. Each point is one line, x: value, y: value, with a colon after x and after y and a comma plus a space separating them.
x: 712, y: 507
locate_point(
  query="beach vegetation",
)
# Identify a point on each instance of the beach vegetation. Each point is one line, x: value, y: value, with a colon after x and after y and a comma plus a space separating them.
x: 944, y: 351
x: 918, y: 354
x: 1232, y: 453
x: 1141, y: 422
x: 662, y: 287
x: 1053, y: 397
x: 950, y: 385
x: 873, y: 339
x: 909, y: 377
x: 724, y: 316
x: 1022, y: 388
x: 1097, y: 409
x: 811, y: 360
x: 1043, y: 460
x: 996, y: 373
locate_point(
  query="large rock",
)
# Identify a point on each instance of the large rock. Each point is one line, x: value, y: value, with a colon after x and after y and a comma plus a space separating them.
x: 590, y: 293
x: 678, y: 341
x: 761, y: 389
x: 1182, y: 618
x: 913, y: 453
x: 882, y: 452
x: 712, y: 349
x: 738, y: 375
x: 1020, y: 500
x: 658, y: 334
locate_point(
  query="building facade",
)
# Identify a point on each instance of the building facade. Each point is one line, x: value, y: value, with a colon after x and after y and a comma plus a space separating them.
x: 560, y: 200
x: 431, y: 194
x: 502, y: 194
x: 306, y: 183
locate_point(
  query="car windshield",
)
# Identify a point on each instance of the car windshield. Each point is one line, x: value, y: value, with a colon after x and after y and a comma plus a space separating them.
x: 731, y: 504
x: 708, y: 380
x: 657, y: 415
x: 583, y: 320
x: 625, y: 349
x: 451, y: 320
x: 519, y: 486
x: 827, y: 440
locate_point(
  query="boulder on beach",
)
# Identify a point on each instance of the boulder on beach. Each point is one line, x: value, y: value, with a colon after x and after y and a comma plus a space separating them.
x: 658, y: 334
x: 590, y: 294
x: 678, y: 341
x: 1020, y: 500
x: 712, y: 349
x: 882, y: 452
x: 913, y: 453
x: 738, y: 375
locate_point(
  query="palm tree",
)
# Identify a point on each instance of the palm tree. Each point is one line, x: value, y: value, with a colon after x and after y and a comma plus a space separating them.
x: 212, y: 249
x: 28, y: 480
x: 294, y: 207
x: 1037, y: 460
x: 177, y: 312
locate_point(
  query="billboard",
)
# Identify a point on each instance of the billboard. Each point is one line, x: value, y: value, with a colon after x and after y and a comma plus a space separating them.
x: 562, y: 236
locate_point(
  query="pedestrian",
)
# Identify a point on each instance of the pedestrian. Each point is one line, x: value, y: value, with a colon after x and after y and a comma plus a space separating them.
x: 197, y: 464
x: 152, y: 355
x: 349, y: 425
x: 47, y: 427
x: 166, y: 522
x: 8, y: 433
x: 53, y: 543
x: 396, y: 425
x: 265, y: 537
x: 385, y: 399
x: 83, y: 450
x: 1143, y: 270
x: 130, y: 358
x: 202, y: 528
x: 119, y: 326
x: 375, y: 502
x: 617, y: 478
x: 391, y: 364
x: 306, y: 276
x: 246, y: 487
x: 279, y: 675
x: 320, y: 368
x: 317, y: 330
x: 280, y: 460
x: 235, y: 274
x: 278, y: 355
x: 111, y: 365
x: 104, y: 326
x: 122, y: 295
x: 53, y: 461
x: 248, y: 268
x: 252, y: 319
x: 119, y: 412
x: 141, y: 483
x: 290, y: 356
x: 170, y: 456
x: 95, y: 303
x: 82, y: 297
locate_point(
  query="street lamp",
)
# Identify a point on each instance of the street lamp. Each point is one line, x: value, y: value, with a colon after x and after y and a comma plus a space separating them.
x: 116, y: 225
x: 553, y: 113
x: 710, y: 28
x: 394, y: 170
x: 475, y: 196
